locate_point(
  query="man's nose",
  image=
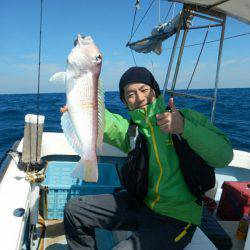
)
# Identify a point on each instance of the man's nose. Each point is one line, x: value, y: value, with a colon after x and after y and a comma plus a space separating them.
x: 140, y: 96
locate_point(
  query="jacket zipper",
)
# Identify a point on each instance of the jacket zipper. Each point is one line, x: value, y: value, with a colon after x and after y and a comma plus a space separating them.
x: 158, y: 161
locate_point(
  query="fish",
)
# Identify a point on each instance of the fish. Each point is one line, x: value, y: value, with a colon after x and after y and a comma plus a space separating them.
x: 83, y: 123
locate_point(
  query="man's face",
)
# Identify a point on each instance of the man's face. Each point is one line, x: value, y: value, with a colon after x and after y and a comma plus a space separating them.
x: 138, y: 95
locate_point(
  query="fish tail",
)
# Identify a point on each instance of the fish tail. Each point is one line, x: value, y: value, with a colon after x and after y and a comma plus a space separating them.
x: 86, y: 170
x: 91, y: 170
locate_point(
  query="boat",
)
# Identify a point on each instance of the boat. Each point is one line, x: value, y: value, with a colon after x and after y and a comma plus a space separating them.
x: 35, y: 180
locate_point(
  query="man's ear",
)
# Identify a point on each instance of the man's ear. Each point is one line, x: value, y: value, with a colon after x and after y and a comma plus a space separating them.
x: 153, y: 92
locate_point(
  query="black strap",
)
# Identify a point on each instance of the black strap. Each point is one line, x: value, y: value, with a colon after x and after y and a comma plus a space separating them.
x: 134, y: 173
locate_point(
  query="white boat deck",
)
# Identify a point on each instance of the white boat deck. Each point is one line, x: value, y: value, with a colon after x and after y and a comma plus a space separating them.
x: 230, y: 174
x: 15, y: 192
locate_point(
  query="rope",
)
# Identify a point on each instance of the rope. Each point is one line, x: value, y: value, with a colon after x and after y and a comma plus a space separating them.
x: 213, y: 41
x: 34, y: 177
x: 205, y: 38
x: 39, y: 71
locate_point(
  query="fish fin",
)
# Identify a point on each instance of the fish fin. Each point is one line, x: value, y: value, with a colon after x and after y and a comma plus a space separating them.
x: 59, y: 77
x: 69, y: 133
x: 86, y: 170
x: 78, y: 172
x: 101, y: 116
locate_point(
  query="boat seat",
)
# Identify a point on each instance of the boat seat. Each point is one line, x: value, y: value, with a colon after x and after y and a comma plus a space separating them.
x: 200, y: 241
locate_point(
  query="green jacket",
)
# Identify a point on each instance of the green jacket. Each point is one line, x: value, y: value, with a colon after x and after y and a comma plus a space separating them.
x: 167, y: 193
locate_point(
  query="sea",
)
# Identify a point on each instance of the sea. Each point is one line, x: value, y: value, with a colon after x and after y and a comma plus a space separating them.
x: 232, y: 114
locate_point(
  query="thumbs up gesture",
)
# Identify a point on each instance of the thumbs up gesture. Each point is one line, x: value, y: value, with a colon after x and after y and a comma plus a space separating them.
x: 171, y: 122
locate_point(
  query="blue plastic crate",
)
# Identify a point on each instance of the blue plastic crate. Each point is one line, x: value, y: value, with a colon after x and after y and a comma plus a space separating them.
x: 62, y: 186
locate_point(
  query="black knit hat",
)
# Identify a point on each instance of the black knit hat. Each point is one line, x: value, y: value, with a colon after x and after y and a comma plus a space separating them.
x: 140, y: 75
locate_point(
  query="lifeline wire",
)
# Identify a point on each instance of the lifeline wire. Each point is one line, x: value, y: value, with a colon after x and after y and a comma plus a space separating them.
x: 213, y: 41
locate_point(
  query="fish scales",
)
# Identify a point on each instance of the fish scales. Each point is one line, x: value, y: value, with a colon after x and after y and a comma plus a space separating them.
x: 81, y: 123
x: 82, y: 111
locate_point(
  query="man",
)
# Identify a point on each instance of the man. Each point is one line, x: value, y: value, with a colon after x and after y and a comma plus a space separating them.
x: 169, y: 214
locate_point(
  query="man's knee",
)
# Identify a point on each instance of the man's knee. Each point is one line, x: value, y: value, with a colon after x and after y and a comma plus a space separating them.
x: 68, y: 213
x: 72, y: 208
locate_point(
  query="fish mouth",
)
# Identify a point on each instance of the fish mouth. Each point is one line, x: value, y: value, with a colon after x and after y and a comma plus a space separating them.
x: 77, y: 39
x: 84, y: 40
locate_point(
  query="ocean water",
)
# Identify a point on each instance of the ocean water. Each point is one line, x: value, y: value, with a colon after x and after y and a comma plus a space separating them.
x: 232, y: 113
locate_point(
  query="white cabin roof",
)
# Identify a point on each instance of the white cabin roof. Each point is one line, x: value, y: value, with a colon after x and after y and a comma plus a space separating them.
x: 238, y: 9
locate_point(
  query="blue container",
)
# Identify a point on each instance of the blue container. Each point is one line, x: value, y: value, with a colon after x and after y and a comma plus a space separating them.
x: 62, y: 186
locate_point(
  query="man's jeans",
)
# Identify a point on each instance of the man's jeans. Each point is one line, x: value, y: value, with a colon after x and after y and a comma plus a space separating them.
x: 119, y: 212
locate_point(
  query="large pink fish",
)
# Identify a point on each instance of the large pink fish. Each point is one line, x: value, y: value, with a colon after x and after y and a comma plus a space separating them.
x: 83, y: 124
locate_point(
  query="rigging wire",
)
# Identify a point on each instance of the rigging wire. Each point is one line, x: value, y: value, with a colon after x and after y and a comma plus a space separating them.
x: 133, y: 24
x: 133, y: 56
x: 168, y: 13
x: 159, y: 12
x: 213, y: 41
x: 142, y: 19
x: 132, y: 30
x: 152, y: 65
x: 189, y: 45
x: 205, y: 38
x: 173, y: 11
x: 39, y: 73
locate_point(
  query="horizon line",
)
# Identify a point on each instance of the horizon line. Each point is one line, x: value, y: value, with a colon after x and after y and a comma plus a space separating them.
x: 34, y: 93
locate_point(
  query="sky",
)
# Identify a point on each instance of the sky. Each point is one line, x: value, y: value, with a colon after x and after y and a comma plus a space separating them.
x: 109, y: 23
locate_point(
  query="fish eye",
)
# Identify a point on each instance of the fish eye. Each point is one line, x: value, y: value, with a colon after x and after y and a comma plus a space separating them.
x: 99, y: 57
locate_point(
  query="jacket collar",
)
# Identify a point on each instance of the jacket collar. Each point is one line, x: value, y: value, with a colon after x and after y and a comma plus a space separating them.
x: 142, y: 116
